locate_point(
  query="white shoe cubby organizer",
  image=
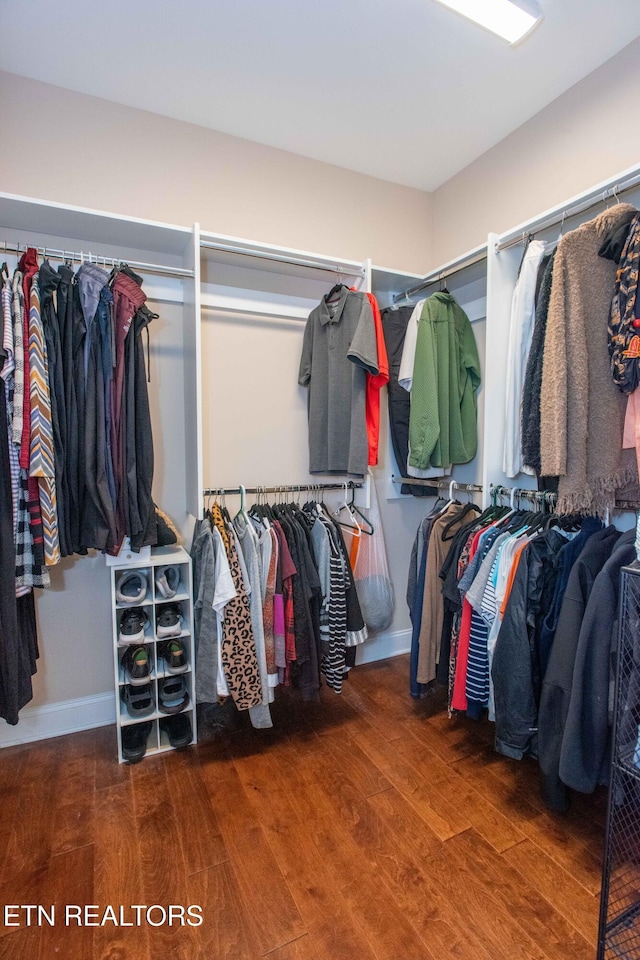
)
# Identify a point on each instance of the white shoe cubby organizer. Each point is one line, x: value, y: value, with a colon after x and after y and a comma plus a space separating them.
x: 152, y: 604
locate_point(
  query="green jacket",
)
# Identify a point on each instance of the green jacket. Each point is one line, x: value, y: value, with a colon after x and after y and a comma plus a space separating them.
x: 443, y: 425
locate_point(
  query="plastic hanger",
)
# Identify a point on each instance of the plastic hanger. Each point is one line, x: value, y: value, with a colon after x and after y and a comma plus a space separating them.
x: 368, y: 527
x: 242, y: 512
x: 452, y: 486
x: 333, y: 294
x: 564, y: 217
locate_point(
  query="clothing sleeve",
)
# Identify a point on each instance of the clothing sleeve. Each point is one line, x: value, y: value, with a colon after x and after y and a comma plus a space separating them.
x: 405, y: 374
x: 304, y: 374
x: 224, y: 588
x: 320, y: 539
x: 424, y: 416
x: 383, y: 360
x: 469, y: 358
x: 553, y: 395
x: 364, y: 346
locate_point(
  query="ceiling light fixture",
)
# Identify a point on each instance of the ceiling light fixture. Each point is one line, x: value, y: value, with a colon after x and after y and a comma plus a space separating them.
x: 513, y: 20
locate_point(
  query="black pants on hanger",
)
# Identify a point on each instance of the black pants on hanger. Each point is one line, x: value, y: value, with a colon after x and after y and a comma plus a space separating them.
x: 394, y: 325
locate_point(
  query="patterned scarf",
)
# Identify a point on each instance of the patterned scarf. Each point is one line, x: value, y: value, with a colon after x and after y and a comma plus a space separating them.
x: 624, y: 327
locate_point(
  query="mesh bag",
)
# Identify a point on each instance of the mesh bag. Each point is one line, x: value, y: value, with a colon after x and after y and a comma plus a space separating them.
x: 371, y: 572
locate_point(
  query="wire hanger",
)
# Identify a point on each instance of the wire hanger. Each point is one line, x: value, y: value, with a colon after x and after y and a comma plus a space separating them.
x: 357, y: 529
x: 368, y: 527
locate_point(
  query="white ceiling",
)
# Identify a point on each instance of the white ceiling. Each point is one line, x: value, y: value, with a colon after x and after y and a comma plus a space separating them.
x: 404, y: 90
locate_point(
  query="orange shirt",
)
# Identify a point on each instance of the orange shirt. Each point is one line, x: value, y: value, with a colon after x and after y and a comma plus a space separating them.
x: 374, y: 385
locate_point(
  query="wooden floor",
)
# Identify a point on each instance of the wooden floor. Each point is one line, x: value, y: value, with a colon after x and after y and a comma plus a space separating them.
x: 369, y: 826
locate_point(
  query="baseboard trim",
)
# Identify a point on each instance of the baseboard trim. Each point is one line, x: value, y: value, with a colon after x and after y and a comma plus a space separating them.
x: 85, y: 713
x: 384, y: 645
x: 58, y: 719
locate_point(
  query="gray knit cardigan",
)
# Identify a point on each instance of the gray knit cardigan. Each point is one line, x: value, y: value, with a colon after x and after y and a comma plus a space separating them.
x: 582, y: 411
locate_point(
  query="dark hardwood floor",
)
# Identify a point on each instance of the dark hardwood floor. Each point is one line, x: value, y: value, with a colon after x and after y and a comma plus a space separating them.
x: 368, y: 827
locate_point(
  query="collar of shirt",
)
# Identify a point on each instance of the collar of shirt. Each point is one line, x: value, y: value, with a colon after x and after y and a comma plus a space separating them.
x: 332, y: 313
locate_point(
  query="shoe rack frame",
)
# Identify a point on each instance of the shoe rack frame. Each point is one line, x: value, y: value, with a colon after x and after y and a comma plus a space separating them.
x: 158, y: 741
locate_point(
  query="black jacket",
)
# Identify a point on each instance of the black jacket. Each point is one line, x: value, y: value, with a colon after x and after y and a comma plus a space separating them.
x: 556, y: 688
x: 532, y: 388
x: 515, y: 672
x: 584, y: 753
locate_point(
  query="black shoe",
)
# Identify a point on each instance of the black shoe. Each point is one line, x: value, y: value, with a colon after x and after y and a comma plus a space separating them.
x: 178, y: 729
x: 136, y: 665
x: 139, y: 701
x: 132, y: 624
x: 172, y: 695
x: 134, y: 741
x: 168, y: 621
x: 175, y: 656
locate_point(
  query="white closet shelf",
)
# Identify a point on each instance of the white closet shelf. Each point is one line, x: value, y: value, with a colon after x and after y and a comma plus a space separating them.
x: 274, y: 259
x: 30, y: 215
x: 390, y: 280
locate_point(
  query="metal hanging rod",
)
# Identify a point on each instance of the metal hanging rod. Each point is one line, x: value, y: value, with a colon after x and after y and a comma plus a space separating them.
x: 440, y: 484
x: 549, y: 496
x: 49, y: 253
x: 285, y: 488
x: 257, y: 254
x: 448, y: 269
x: 519, y: 493
x: 559, y: 215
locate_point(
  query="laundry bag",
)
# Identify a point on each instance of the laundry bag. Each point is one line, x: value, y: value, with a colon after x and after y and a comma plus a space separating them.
x: 371, y: 572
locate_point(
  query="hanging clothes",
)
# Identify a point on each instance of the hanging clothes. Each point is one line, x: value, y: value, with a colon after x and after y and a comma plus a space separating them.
x: 407, y: 367
x: 532, y: 387
x: 98, y: 518
x: 57, y: 365
x: 237, y: 648
x: 28, y: 267
x: 247, y: 547
x: 18, y: 640
x: 520, y: 333
x: 582, y: 410
x: 339, y: 348
x: 443, y: 425
x: 515, y: 670
x: 395, y: 322
x: 375, y: 382
x: 585, y: 751
x: 303, y: 627
x: 443, y: 528
x: 556, y: 688
x: 41, y: 447
x: 72, y: 333
x: 48, y: 282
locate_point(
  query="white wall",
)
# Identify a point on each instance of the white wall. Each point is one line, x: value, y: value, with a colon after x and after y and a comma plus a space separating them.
x: 78, y: 149
x: 588, y: 134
